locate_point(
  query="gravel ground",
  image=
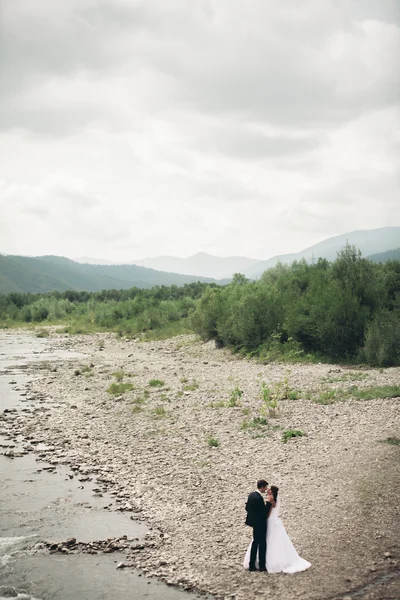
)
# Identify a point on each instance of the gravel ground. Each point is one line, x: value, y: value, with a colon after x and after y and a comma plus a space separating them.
x: 339, y: 483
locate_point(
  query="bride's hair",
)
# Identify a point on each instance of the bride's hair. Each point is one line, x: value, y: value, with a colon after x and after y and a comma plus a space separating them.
x: 274, y: 491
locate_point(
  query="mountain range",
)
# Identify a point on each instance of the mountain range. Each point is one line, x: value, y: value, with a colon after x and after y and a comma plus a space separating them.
x: 371, y: 241
x: 47, y: 273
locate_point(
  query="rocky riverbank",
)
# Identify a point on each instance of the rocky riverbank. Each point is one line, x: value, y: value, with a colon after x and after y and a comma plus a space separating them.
x: 179, y: 447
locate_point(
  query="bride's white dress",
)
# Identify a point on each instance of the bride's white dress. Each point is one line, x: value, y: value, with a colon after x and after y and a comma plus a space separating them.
x: 281, y: 554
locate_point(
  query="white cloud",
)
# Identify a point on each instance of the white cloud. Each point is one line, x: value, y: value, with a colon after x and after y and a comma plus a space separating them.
x: 133, y: 129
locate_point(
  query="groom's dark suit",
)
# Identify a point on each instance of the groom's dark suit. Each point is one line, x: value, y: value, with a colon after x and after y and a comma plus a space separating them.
x: 257, y: 513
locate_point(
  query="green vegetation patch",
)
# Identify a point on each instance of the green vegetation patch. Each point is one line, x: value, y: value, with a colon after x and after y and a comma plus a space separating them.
x: 212, y: 442
x: 119, y: 375
x: 42, y: 333
x: 159, y: 411
x: 392, y: 441
x: 291, y: 433
x: 235, y: 397
x: 156, y: 383
x: 190, y: 387
x: 376, y: 392
x: 116, y: 389
x: 350, y: 376
x: 254, y: 423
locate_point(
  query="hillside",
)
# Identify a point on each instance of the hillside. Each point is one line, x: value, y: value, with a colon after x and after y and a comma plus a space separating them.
x: 48, y: 273
x: 370, y: 242
x: 385, y: 256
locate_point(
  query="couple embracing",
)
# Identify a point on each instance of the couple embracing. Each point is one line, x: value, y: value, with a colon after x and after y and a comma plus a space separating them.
x: 271, y: 549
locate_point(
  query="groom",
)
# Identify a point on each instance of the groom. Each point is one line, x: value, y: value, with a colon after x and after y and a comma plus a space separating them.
x: 257, y: 514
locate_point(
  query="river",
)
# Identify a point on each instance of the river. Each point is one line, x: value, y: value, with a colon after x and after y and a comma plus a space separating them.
x: 39, y: 501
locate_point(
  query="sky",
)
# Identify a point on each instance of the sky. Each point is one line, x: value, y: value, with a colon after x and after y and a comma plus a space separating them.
x: 134, y: 128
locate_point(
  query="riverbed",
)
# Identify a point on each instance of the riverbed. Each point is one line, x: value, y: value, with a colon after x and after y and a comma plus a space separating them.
x: 43, y: 500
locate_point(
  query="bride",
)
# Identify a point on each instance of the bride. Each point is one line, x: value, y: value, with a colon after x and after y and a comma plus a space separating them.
x: 281, y: 554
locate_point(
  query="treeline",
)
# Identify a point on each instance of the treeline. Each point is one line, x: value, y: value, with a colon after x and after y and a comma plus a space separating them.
x: 127, y: 312
x: 345, y: 310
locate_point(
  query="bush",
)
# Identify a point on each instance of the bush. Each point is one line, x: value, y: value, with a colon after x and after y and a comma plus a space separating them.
x: 382, y: 340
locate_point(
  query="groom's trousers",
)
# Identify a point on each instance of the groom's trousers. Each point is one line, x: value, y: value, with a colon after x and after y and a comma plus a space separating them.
x: 260, y: 544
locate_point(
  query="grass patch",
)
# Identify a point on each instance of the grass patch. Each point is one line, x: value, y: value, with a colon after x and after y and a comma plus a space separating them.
x: 190, y: 387
x: 42, y: 333
x: 291, y: 433
x: 392, y: 441
x: 119, y: 375
x: 212, y: 442
x: 254, y: 423
x: 142, y: 398
x: 136, y: 409
x: 219, y: 404
x: 169, y: 330
x: 235, y: 397
x: 351, y: 376
x: 119, y: 388
x: 156, y: 383
x: 326, y: 397
x: 375, y: 392
x: 159, y: 411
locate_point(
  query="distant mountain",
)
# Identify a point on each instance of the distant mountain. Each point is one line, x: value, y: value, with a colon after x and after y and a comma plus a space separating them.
x: 98, y: 261
x: 201, y: 264
x: 371, y: 241
x: 48, y: 273
x: 385, y: 256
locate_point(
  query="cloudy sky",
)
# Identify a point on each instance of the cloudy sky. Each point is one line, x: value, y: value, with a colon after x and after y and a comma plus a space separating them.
x: 133, y: 128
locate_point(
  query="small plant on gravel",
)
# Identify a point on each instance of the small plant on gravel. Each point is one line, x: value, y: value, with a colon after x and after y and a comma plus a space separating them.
x: 191, y: 386
x: 279, y: 391
x: 184, y: 380
x: 269, y: 399
x: 291, y: 433
x: 142, y: 398
x: 235, y: 397
x: 326, y: 397
x: 212, y: 442
x: 246, y: 411
x: 136, y: 409
x: 42, y: 333
x: 156, y: 383
x: 392, y: 441
x: 119, y: 375
x: 160, y: 411
x: 219, y: 404
x: 119, y: 388
x: 254, y: 423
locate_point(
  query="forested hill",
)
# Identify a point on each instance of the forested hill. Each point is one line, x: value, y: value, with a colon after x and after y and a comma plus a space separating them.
x: 382, y: 257
x: 55, y: 273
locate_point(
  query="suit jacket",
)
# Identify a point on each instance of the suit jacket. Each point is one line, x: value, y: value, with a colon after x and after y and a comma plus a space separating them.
x: 257, y: 510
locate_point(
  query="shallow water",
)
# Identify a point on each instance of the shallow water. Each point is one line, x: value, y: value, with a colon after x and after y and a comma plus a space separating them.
x: 36, y: 504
